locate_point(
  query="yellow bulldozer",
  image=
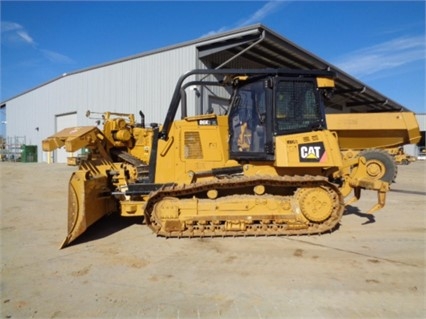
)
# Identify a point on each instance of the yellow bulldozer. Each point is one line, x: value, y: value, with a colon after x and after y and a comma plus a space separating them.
x: 262, y: 164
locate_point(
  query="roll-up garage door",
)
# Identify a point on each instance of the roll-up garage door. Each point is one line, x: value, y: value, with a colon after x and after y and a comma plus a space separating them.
x: 64, y: 121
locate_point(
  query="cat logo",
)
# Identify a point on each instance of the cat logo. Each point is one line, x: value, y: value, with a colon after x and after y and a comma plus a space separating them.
x: 312, y: 152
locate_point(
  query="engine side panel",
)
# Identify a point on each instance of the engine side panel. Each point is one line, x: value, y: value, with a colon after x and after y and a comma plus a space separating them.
x: 314, y: 149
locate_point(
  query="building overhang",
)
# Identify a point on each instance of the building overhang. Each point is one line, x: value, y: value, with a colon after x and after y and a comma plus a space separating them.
x: 259, y: 47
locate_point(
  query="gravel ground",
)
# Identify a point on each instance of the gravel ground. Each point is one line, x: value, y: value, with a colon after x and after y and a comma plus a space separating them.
x: 371, y: 267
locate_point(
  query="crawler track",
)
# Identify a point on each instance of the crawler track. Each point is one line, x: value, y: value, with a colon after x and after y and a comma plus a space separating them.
x: 289, y: 205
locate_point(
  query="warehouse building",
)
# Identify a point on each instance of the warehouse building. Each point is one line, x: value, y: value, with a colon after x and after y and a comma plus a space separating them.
x: 146, y: 82
x: 420, y: 149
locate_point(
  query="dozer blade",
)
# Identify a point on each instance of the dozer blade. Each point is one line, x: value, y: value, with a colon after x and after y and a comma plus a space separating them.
x: 88, y: 201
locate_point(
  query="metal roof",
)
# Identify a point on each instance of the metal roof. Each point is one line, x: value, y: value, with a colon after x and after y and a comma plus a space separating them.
x: 258, y: 46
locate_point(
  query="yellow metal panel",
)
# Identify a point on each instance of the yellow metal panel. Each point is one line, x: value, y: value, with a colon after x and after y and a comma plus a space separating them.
x: 315, y: 149
x: 325, y: 83
x: 374, y: 130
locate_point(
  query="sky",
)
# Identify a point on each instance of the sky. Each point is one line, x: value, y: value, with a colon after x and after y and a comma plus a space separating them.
x: 381, y: 43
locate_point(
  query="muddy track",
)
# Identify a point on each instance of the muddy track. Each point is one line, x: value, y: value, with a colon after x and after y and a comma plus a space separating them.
x: 288, y: 189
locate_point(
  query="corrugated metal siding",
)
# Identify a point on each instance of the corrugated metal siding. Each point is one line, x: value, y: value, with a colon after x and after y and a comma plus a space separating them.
x: 421, y: 119
x: 145, y: 83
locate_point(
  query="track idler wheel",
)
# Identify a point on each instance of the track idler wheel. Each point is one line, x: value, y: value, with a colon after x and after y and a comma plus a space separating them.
x: 316, y: 203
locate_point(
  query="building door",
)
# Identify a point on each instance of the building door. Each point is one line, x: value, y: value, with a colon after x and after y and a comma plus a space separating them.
x: 64, y: 121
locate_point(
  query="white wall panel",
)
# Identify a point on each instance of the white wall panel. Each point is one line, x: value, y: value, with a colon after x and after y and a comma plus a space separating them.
x: 143, y: 83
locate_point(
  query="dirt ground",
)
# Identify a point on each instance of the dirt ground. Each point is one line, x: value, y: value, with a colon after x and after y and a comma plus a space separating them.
x: 371, y: 267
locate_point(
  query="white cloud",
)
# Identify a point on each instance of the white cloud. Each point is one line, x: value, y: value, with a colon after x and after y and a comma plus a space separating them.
x: 25, y: 37
x: 259, y: 15
x: 267, y: 9
x: 383, y: 56
x: 223, y: 29
x: 14, y: 33
x: 56, y: 57
x: 7, y: 26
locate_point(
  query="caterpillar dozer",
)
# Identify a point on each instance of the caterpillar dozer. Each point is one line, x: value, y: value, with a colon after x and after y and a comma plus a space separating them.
x: 261, y: 164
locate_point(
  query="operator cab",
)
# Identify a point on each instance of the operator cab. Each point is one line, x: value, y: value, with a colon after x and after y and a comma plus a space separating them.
x: 264, y: 107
